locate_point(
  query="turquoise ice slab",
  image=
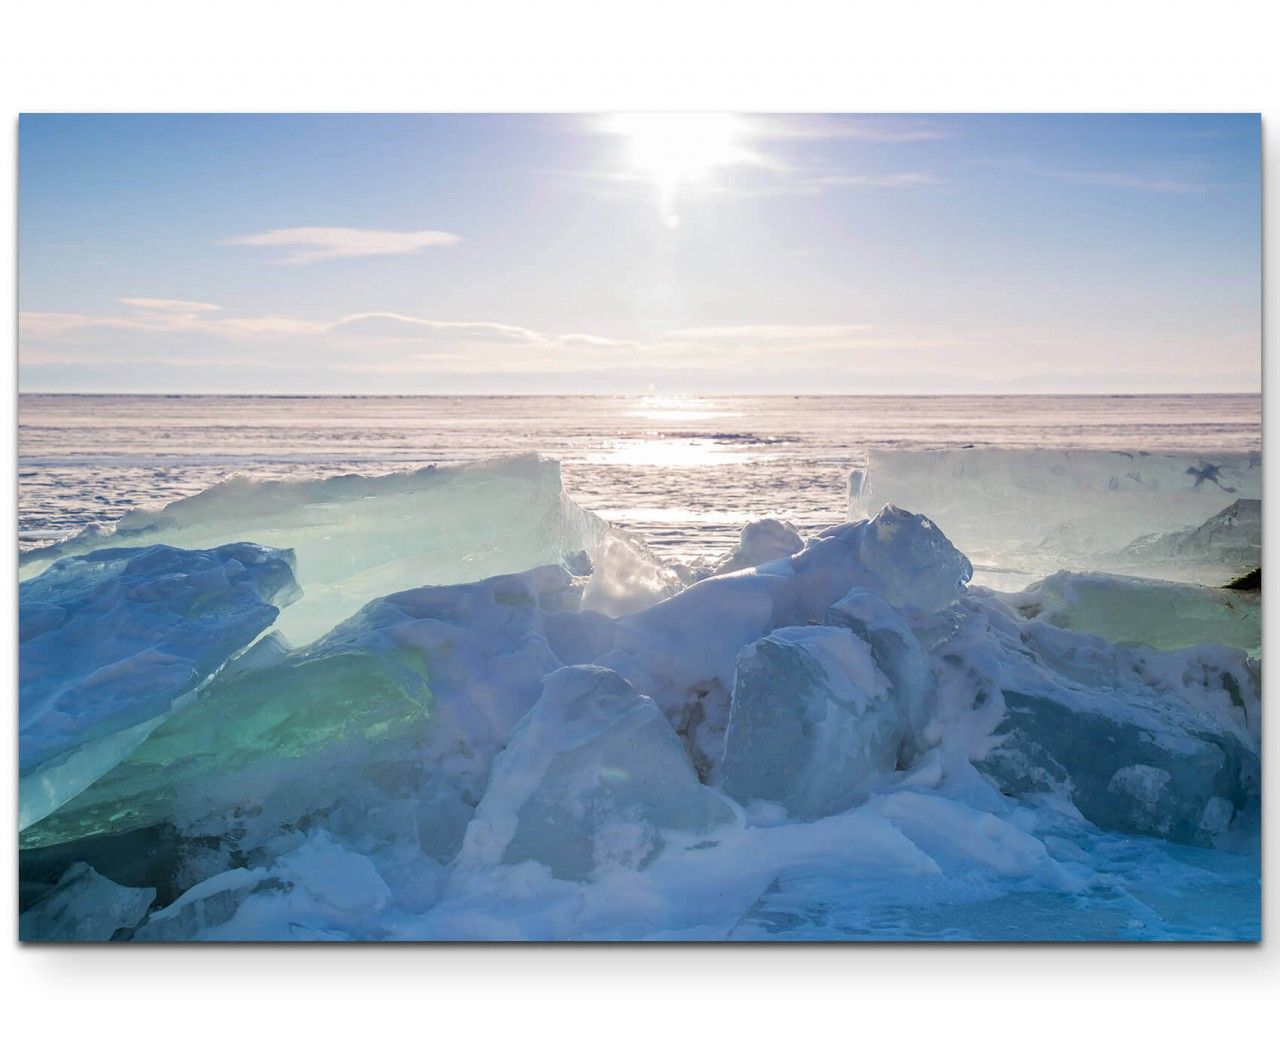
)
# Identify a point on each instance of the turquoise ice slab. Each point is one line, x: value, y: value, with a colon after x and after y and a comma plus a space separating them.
x: 273, y: 717
x: 109, y: 641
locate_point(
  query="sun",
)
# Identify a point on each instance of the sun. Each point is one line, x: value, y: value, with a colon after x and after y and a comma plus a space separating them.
x: 680, y: 149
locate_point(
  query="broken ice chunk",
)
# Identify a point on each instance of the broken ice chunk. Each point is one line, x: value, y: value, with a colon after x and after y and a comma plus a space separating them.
x: 760, y: 542
x: 1123, y: 771
x: 439, y: 674
x: 84, y: 906
x: 594, y: 778
x: 1226, y: 545
x: 111, y: 639
x: 813, y: 722
x: 905, y: 558
x: 361, y: 537
x: 683, y: 651
x: 1166, y: 615
x: 1056, y: 508
x: 896, y: 652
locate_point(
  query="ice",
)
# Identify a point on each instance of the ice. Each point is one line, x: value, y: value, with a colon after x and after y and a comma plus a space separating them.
x: 312, y: 893
x: 84, y: 906
x: 1136, y: 740
x: 593, y: 779
x: 433, y: 678
x: 1037, y: 511
x: 683, y: 651
x: 897, y: 654
x: 1225, y: 546
x: 111, y: 640
x: 361, y: 537
x: 1166, y: 615
x: 841, y: 740
x: 760, y: 542
x: 813, y: 723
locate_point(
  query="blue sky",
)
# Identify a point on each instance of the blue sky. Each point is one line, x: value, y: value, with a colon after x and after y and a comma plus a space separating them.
x: 694, y: 253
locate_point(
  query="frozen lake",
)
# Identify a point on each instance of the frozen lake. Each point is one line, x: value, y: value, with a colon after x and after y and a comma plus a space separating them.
x: 682, y: 472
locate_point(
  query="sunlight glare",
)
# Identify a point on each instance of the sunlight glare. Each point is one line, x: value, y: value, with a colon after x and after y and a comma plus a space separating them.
x: 679, y: 149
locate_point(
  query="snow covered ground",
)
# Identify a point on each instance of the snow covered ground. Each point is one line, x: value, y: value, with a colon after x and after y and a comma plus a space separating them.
x: 449, y: 704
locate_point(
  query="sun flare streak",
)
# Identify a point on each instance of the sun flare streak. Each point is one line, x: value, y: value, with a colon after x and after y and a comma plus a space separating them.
x: 675, y: 150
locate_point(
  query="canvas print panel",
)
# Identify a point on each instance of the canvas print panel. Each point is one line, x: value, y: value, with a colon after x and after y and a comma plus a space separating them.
x: 683, y: 527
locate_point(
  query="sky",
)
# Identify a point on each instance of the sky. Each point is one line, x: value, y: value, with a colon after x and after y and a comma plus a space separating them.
x: 672, y: 253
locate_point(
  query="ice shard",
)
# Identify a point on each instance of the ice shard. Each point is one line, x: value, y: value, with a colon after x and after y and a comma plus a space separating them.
x: 593, y: 779
x: 1033, y: 512
x: 1227, y: 545
x: 813, y: 722
x: 431, y: 677
x: 360, y: 537
x: 1166, y: 615
x: 1137, y: 740
x: 84, y: 906
x: 683, y: 651
x: 897, y: 653
x: 109, y: 641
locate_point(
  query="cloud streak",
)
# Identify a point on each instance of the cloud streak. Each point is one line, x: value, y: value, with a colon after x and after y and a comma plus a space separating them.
x: 161, y: 342
x: 395, y: 342
x: 303, y: 245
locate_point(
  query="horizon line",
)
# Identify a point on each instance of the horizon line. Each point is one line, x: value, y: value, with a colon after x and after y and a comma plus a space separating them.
x: 633, y: 395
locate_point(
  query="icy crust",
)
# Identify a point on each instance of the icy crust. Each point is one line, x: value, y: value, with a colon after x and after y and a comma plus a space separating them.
x: 110, y: 641
x: 360, y: 537
x: 1038, y: 511
x: 845, y: 742
x: 1166, y: 615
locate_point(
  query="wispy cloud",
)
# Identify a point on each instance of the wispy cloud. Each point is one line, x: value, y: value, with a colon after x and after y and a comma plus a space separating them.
x: 148, y: 303
x: 388, y: 328
x: 170, y: 347
x: 313, y: 244
x: 413, y: 344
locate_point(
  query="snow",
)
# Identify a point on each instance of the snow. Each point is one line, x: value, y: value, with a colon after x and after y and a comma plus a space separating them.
x: 835, y: 739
